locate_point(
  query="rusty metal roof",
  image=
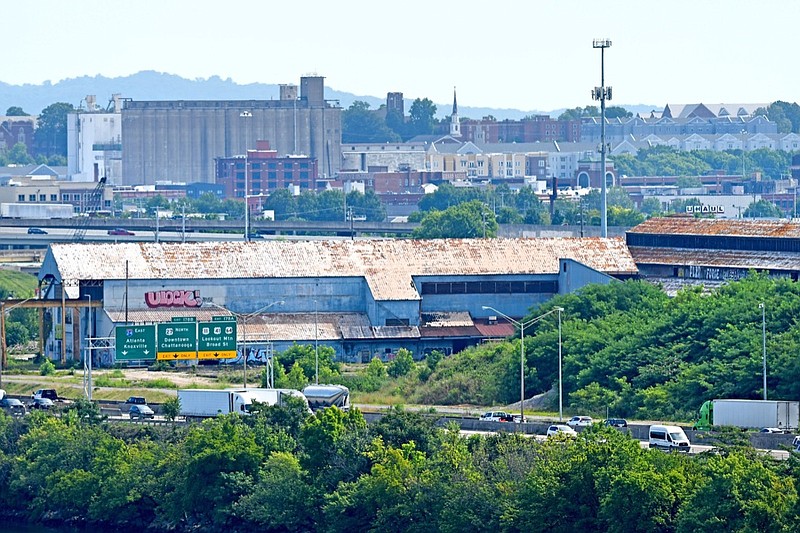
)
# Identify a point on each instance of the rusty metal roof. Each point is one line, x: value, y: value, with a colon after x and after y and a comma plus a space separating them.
x: 687, y: 225
x: 743, y: 259
x: 388, y: 265
x: 446, y: 319
x: 495, y: 329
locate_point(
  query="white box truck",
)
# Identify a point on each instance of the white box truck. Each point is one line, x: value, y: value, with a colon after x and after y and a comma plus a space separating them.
x: 780, y: 414
x: 205, y: 403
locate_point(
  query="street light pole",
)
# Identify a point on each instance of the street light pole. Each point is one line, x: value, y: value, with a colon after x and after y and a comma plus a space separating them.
x: 764, y: 343
x: 246, y: 114
x: 602, y: 93
x: 244, y: 318
x: 560, y: 388
x: 522, y: 325
x: 316, y: 345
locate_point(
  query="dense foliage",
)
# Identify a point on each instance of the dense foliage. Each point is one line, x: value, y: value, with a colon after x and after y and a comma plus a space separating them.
x: 629, y: 348
x: 283, y: 470
x: 663, y: 160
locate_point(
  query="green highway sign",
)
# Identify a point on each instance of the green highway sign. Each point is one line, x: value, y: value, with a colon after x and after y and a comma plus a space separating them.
x: 217, y: 339
x: 135, y: 343
x: 177, y: 340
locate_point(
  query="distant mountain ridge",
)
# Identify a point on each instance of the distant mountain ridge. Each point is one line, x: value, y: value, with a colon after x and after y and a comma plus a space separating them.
x: 152, y: 85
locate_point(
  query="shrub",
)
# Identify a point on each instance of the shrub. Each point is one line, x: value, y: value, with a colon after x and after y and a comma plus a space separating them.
x: 402, y: 364
x: 47, y: 368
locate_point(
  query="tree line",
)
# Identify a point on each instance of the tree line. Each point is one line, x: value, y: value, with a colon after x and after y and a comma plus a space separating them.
x: 283, y: 470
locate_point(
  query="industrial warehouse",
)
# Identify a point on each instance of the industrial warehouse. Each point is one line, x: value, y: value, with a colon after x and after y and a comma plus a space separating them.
x: 364, y: 298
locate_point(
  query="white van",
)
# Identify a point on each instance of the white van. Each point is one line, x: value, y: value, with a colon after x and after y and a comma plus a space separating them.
x: 669, y: 438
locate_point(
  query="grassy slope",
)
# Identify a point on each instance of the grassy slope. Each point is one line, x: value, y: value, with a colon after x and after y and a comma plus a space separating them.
x: 20, y: 284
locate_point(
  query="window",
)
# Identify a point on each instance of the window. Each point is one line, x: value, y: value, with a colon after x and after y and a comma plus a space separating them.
x: 76, y: 197
x: 53, y: 197
x: 288, y: 176
x: 396, y: 321
x: 42, y: 197
x: 21, y: 198
x: 256, y: 166
x: 31, y: 197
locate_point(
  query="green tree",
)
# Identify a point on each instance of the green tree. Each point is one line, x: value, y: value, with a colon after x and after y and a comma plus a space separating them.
x: 738, y: 494
x: 360, y: 125
x: 16, y: 111
x: 19, y: 155
x: 402, y: 363
x: 334, y: 443
x: 762, y: 209
x: 281, y: 499
x: 171, y: 408
x: 468, y: 220
x: 51, y: 129
x: 214, y: 465
x: 421, y: 117
x: 283, y: 203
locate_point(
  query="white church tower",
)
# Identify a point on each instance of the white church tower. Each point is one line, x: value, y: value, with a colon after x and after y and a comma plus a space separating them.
x: 455, y: 126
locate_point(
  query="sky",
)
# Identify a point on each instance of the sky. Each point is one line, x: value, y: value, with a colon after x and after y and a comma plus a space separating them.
x: 526, y: 54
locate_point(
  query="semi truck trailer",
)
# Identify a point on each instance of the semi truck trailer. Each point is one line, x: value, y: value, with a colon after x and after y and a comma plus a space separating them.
x: 746, y: 414
x: 206, y: 403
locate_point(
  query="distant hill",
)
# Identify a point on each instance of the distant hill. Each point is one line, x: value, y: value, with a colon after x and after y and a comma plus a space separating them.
x: 151, y: 85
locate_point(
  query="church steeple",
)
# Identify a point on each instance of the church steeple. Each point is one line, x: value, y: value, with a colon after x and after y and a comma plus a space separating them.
x: 455, y: 126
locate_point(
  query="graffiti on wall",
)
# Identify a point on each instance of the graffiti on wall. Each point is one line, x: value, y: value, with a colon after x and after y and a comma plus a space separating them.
x: 176, y: 298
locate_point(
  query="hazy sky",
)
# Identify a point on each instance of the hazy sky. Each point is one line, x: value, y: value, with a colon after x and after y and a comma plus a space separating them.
x: 527, y: 54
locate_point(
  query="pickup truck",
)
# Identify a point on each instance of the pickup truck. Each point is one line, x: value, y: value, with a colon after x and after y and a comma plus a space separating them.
x: 50, y: 394
x: 497, y: 416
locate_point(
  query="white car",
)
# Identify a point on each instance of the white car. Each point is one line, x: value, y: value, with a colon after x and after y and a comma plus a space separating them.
x: 580, y: 421
x: 555, y: 429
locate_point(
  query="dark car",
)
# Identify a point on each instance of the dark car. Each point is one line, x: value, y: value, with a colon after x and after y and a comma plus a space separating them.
x: 138, y: 400
x: 36, y: 231
x: 41, y: 403
x: 141, y: 412
x: 120, y: 231
x: 616, y: 422
x: 12, y: 406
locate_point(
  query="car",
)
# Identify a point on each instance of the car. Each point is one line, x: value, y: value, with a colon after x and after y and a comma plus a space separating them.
x: 616, y: 422
x: 138, y: 400
x: 120, y: 231
x: 41, y: 403
x: 12, y: 406
x: 772, y: 430
x: 36, y: 231
x: 497, y: 416
x: 251, y: 236
x: 557, y: 429
x: 141, y: 412
x: 580, y: 421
